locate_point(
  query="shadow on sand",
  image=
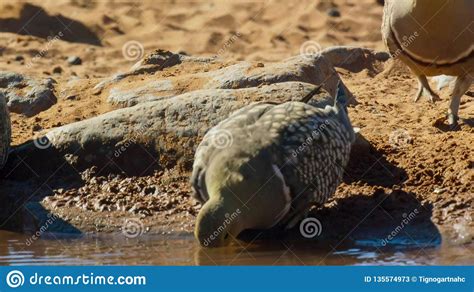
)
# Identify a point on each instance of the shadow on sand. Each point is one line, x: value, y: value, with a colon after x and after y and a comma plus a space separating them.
x: 377, y: 218
x: 33, y: 20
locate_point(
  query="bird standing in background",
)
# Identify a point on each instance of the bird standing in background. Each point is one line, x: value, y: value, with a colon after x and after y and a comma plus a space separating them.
x: 433, y: 37
x: 277, y: 161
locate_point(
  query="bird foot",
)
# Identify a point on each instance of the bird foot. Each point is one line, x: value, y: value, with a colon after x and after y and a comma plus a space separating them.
x: 453, y: 121
x: 418, y: 95
x: 433, y: 97
x: 451, y: 126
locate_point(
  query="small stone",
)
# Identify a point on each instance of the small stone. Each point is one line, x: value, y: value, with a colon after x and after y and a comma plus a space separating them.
x: 37, y: 127
x: 74, y: 60
x: 150, y: 191
x: 438, y: 191
x: 57, y: 70
x: 19, y: 58
x: 334, y: 12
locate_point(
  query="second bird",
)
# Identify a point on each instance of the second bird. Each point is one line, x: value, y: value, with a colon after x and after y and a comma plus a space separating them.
x: 433, y: 37
x: 280, y: 160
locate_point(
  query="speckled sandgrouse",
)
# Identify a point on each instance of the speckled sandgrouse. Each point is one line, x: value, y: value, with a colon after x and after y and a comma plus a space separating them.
x: 433, y: 37
x: 267, y: 164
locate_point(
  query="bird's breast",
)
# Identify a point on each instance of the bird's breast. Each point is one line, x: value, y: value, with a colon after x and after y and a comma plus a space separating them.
x: 434, y: 31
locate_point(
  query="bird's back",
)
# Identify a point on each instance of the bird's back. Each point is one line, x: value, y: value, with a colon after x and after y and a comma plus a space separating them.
x: 312, y: 147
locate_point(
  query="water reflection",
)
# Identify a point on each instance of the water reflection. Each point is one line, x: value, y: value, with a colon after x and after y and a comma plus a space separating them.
x: 181, y: 249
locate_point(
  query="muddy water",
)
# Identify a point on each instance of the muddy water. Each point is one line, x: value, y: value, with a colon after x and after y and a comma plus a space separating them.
x: 51, y: 249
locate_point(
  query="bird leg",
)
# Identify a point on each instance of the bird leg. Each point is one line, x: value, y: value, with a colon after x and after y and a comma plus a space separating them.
x: 461, y: 86
x: 424, y: 85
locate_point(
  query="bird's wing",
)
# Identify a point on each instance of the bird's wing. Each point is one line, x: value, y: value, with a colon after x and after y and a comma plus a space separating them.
x: 220, y: 137
x: 312, y: 148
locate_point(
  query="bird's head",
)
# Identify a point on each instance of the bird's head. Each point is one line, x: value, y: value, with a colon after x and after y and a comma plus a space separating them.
x: 244, y: 193
x: 218, y: 223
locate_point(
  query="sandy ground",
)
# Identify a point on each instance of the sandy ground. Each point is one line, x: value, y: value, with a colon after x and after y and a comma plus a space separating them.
x: 415, y: 162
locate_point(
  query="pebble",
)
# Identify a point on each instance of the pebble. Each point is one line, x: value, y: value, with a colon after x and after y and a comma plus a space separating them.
x: 74, y: 60
x: 334, y: 12
x: 57, y: 70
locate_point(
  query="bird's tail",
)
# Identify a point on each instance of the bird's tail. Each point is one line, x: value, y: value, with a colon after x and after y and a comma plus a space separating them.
x: 340, y: 108
x: 340, y: 100
x: 310, y: 95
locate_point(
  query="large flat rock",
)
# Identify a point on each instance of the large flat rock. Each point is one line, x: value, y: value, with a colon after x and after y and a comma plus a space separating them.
x: 148, y: 136
x: 185, y: 74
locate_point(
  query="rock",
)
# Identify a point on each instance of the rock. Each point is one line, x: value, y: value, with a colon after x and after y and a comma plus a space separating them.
x: 354, y: 59
x: 153, y: 135
x: 159, y: 58
x: 334, y: 12
x: 154, y: 62
x: 74, y: 60
x: 126, y: 90
x: 57, y: 70
x: 26, y: 95
x: 36, y: 128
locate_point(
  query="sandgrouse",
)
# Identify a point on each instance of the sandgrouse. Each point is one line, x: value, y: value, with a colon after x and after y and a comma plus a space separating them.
x: 433, y: 37
x: 279, y: 160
